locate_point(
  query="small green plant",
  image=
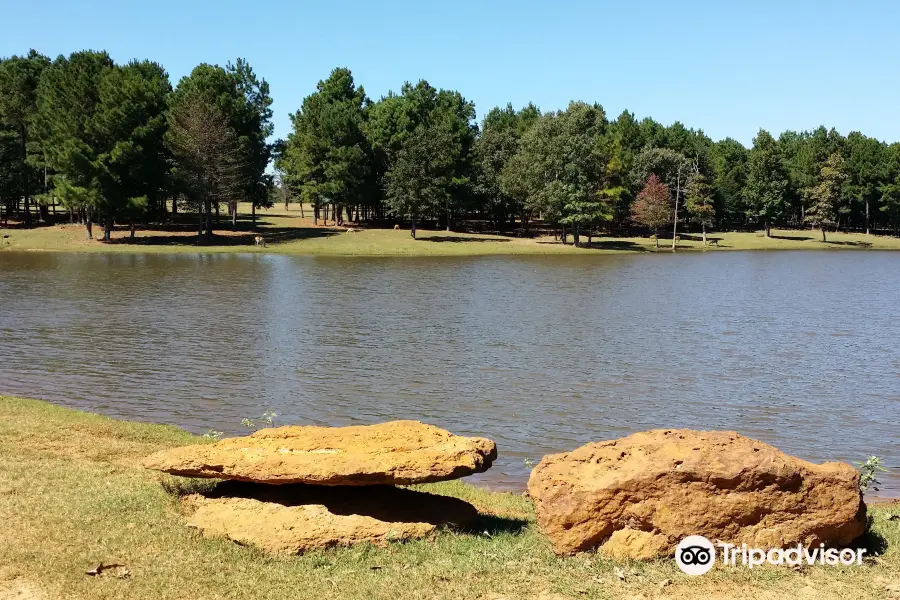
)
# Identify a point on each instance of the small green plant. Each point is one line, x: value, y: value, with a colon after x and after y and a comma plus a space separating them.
x: 867, y: 474
x: 528, y: 463
x: 266, y: 420
x: 212, y: 434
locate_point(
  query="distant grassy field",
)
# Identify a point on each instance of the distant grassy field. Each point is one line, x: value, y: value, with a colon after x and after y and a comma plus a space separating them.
x: 72, y: 495
x: 286, y: 232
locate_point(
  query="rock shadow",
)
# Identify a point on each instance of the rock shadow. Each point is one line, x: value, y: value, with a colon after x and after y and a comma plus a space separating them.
x: 383, y: 502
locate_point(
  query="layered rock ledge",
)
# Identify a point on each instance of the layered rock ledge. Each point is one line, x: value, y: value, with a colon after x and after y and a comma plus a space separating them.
x: 396, y: 452
x: 292, y: 519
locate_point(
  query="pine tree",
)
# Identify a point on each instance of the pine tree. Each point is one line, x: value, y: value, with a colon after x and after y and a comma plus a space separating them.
x: 699, y: 202
x: 767, y: 181
x: 822, y: 210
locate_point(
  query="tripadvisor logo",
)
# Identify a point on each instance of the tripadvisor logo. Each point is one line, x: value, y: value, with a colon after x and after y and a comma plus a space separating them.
x: 696, y: 555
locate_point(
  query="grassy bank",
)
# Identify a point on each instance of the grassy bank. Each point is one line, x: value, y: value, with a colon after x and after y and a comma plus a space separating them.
x: 287, y: 232
x: 72, y: 494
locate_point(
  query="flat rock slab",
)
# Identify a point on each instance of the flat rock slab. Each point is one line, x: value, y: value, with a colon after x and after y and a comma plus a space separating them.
x: 293, y: 519
x: 638, y: 496
x: 396, y: 452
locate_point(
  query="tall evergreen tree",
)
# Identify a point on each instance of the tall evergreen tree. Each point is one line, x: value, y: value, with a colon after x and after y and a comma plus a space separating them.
x: 497, y: 143
x: 728, y: 160
x: 824, y: 197
x: 421, y: 174
x: 327, y: 157
x: 867, y: 167
x: 699, y: 201
x: 252, y: 124
x: 19, y: 77
x: 767, y: 182
x: 67, y: 100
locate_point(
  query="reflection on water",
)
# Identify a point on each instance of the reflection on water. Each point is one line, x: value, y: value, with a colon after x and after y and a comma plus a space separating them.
x: 541, y: 354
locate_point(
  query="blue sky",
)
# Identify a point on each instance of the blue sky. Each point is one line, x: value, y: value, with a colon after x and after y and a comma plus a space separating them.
x: 727, y: 67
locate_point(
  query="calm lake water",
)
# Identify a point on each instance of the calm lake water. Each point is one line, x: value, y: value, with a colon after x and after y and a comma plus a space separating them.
x: 541, y: 354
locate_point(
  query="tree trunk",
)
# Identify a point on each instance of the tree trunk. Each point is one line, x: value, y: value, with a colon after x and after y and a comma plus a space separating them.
x: 174, y: 205
x: 302, y: 216
x: 823, y: 234
x: 768, y: 229
x: 107, y: 228
x: 253, y: 215
x: 23, y: 136
x: 867, y: 216
x: 412, y: 230
x: 234, y: 217
x: 576, y: 236
x: 88, y: 226
x: 315, y: 214
x: 208, y: 219
x: 132, y: 227
x: 675, y: 222
x: 703, y: 225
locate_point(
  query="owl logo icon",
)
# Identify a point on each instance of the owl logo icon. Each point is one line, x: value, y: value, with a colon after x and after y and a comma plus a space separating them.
x: 695, y: 555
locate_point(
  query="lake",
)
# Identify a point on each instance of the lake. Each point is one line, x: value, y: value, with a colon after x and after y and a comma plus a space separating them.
x: 541, y: 354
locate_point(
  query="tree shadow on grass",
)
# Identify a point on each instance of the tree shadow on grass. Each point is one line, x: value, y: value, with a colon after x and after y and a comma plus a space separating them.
x: 793, y: 238
x: 274, y: 235
x: 854, y: 244
x: 613, y: 245
x: 602, y: 245
x: 450, y: 238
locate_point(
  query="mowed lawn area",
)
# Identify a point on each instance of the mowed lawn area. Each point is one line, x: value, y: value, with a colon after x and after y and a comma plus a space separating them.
x: 73, y: 495
x: 287, y: 232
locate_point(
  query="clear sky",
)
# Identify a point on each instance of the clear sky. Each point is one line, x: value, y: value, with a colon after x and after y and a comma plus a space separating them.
x: 727, y: 67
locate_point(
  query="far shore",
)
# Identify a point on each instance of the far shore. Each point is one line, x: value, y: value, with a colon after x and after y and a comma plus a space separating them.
x: 287, y: 232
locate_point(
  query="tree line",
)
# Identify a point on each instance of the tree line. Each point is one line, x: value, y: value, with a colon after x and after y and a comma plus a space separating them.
x: 117, y: 143
x: 420, y: 155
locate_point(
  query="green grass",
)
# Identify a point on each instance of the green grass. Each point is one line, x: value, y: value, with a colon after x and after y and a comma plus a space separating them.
x: 72, y: 494
x: 287, y: 232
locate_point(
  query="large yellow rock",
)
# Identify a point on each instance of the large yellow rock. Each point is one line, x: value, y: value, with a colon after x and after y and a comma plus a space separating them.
x: 292, y: 519
x: 397, y: 452
x: 659, y: 486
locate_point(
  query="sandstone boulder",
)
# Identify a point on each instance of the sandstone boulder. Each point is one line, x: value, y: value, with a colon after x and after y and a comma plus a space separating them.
x: 397, y: 452
x: 639, y: 495
x: 292, y: 519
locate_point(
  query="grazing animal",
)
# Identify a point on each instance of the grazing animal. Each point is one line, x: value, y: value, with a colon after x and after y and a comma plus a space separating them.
x: 260, y: 241
x: 350, y: 230
x: 396, y: 228
x: 713, y: 242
